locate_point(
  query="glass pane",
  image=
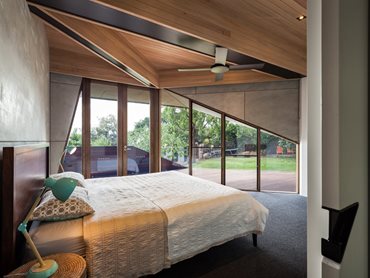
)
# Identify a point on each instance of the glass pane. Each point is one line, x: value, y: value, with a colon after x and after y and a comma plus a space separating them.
x: 103, y: 105
x: 174, y: 132
x: 207, y: 163
x: 206, y: 127
x: 73, y: 156
x: 241, y: 155
x: 278, y: 163
x: 138, y: 125
x: 206, y: 143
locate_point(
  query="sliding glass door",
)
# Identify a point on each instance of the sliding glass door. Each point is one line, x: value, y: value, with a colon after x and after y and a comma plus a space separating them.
x: 104, y: 130
x: 138, y: 131
x: 240, y: 155
x: 206, y: 143
x: 278, y: 163
x: 174, y: 132
x: 110, y: 134
x: 126, y: 130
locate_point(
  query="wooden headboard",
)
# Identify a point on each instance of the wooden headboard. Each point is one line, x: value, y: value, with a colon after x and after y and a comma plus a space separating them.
x: 24, y: 169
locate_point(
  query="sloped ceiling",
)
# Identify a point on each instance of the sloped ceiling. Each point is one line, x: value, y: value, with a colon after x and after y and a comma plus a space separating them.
x: 265, y: 30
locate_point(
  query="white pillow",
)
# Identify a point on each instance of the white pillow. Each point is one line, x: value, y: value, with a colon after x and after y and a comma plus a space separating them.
x: 73, y: 175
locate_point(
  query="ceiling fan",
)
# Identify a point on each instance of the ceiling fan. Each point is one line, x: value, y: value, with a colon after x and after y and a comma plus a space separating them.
x: 220, y: 66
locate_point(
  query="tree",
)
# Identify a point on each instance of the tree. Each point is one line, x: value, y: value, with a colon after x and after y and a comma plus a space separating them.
x: 238, y: 135
x: 75, y: 139
x: 206, y: 129
x: 105, y: 134
x: 140, y: 135
x: 174, y: 132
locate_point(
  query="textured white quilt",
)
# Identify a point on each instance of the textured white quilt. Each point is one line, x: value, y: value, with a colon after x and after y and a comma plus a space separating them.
x: 200, y: 214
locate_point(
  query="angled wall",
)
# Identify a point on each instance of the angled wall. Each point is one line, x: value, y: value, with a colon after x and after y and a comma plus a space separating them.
x: 273, y: 106
x: 64, y: 93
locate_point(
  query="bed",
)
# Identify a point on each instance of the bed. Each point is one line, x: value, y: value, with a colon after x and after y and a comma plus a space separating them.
x: 145, y: 223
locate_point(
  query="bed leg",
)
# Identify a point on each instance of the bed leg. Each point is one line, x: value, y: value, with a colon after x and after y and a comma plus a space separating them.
x: 254, y: 236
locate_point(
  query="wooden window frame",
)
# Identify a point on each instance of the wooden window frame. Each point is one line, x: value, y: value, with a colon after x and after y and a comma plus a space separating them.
x: 155, y: 126
x: 86, y: 128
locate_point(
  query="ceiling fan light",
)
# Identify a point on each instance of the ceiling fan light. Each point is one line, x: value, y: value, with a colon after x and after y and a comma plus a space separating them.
x: 219, y: 68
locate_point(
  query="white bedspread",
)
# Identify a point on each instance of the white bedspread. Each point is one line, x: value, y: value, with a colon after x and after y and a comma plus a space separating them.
x: 200, y: 213
x: 126, y: 236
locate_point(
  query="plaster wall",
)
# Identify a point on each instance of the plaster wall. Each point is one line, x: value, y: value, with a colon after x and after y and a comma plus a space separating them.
x: 303, y: 137
x: 24, y: 76
x: 317, y: 218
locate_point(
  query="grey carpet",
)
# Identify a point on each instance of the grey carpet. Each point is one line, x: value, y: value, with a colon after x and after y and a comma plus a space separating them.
x: 281, y: 251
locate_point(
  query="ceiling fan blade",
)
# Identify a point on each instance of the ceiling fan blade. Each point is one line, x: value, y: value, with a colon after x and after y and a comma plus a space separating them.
x: 248, y: 66
x: 199, y: 69
x: 220, y: 55
x: 219, y: 76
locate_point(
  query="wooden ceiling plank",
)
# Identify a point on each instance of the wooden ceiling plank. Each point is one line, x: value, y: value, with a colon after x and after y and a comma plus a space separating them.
x: 69, y: 57
x: 165, y: 56
x: 111, y: 42
x: 209, y: 21
x: 147, y: 40
x: 77, y: 64
x: 175, y: 79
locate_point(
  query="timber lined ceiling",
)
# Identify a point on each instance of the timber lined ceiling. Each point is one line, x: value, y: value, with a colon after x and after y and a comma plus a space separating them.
x: 263, y: 30
x: 68, y: 57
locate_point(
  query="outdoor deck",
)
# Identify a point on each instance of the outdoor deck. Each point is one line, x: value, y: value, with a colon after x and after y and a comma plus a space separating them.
x: 247, y: 179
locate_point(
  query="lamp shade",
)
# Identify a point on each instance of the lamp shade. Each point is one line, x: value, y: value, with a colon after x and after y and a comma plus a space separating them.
x: 61, y: 188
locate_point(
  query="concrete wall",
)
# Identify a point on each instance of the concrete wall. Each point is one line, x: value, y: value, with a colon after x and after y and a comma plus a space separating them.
x: 270, y: 105
x: 317, y: 218
x: 64, y: 93
x: 24, y: 76
x: 345, y: 121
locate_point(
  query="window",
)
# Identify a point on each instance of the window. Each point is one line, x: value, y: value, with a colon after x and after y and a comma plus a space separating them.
x: 103, y: 122
x: 191, y: 140
x: 240, y: 155
x: 206, y: 145
x: 72, y: 158
x: 174, y: 132
x: 278, y: 163
x: 138, y: 131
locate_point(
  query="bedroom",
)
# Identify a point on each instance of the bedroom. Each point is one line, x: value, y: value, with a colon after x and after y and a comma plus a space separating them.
x: 41, y: 127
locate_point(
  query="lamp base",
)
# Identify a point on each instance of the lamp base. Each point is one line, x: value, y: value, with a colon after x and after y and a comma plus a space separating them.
x: 48, y: 269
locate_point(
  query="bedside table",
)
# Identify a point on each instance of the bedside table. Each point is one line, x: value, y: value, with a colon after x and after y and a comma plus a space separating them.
x: 69, y: 265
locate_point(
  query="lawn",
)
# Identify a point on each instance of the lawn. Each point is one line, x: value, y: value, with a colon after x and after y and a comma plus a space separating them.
x: 287, y: 164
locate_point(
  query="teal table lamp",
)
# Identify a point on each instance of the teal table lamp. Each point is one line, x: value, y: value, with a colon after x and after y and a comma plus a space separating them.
x: 61, y: 189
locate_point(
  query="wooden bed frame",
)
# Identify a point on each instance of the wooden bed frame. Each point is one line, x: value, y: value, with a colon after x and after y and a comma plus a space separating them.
x: 23, y: 170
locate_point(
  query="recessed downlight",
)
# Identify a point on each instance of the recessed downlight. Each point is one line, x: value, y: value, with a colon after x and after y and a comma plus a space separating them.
x: 301, y: 17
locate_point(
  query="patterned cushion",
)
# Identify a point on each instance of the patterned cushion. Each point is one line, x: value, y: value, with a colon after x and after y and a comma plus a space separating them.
x: 73, y: 175
x: 51, y: 209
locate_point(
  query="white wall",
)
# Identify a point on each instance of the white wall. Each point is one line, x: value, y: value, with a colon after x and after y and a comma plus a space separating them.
x: 317, y: 218
x: 345, y: 121
x: 303, y: 134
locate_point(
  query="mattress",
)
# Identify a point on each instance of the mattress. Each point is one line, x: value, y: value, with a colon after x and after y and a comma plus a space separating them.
x: 57, y: 237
